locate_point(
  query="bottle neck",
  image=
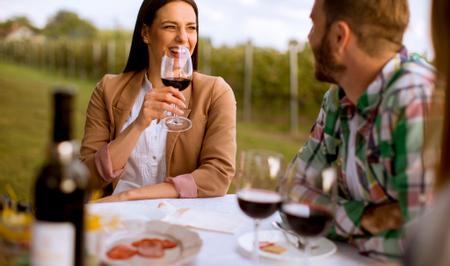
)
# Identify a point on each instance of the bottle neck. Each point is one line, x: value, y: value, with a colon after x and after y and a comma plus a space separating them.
x: 64, y: 151
x: 62, y: 116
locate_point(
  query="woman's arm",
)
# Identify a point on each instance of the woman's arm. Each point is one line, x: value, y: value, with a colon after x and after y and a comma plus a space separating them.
x: 107, y: 159
x: 217, y: 156
x: 161, y: 190
x: 97, y: 133
x: 155, y: 103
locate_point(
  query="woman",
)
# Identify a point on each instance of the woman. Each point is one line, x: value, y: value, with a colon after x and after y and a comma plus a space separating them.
x: 431, y: 243
x: 125, y: 141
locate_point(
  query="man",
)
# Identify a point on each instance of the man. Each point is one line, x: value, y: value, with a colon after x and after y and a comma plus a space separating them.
x: 371, y: 122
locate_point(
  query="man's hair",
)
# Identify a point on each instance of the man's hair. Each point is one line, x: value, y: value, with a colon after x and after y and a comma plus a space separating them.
x: 378, y: 24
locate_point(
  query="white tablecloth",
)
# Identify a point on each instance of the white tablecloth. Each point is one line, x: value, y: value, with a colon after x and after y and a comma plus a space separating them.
x: 222, y: 249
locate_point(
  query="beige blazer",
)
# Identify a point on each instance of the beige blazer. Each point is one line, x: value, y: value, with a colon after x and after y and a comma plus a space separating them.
x: 207, y: 150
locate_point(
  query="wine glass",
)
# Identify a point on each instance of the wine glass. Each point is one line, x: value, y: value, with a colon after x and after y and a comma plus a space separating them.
x: 176, y: 71
x: 309, y: 203
x: 257, y: 176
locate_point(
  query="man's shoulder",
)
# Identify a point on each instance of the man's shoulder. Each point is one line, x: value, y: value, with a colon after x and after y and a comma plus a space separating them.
x: 418, y: 68
x: 416, y: 71
x: 416, y: 80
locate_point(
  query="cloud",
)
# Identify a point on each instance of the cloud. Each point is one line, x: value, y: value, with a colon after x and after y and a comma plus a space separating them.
x: 247, y: 2
x: 267, y: 22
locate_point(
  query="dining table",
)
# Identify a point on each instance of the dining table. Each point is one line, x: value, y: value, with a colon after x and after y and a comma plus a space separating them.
x: 219, y: 248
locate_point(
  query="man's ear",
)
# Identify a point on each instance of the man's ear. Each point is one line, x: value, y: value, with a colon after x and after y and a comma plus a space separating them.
x: 145, y: 34
x: 339, y: 36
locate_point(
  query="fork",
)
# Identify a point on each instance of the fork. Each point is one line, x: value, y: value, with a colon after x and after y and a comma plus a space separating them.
x: 299, y: 244
x: 286, y: 231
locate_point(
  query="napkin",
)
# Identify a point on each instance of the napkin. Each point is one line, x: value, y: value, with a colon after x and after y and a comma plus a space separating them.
x: 200, y: 219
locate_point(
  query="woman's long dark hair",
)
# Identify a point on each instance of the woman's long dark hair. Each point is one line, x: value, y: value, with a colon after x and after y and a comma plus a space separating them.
x: 441, y: 42
x: 138, y: 57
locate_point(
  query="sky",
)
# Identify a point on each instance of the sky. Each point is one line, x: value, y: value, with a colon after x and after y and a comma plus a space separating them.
x: 268, y: 23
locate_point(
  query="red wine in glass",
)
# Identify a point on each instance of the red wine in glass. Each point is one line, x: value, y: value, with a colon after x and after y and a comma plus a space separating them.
x: 177, y: 83
x: 307, y: 220
x: 258, y: 203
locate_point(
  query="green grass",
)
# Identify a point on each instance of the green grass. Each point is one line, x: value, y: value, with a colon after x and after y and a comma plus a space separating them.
x: 25, y: 125
x: 25, y: 106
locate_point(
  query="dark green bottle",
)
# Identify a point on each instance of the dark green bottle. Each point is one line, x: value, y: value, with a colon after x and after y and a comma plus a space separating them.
x: 60, y: 193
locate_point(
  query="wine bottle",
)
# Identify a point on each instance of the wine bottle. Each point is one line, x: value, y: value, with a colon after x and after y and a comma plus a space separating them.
x: 60, y: 194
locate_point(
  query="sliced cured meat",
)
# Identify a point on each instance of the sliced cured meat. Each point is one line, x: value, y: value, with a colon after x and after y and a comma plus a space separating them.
x: 121, y: 252
x: 166, y: 243
x: 147, y: 241
x: 169, y: 244
x: 151, y: 249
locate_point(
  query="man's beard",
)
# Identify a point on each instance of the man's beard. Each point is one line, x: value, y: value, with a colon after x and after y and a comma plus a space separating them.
x: 326, y: 67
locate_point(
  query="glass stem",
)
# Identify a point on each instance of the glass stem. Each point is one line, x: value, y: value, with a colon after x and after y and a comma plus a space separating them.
x: 174, y: 107
x: 255, y: 256
x: 307, y: 251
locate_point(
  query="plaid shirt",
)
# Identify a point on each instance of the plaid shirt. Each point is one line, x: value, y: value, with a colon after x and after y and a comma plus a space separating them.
x: 390, y: 119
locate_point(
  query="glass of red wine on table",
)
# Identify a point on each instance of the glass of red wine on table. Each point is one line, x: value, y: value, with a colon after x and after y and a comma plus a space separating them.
x: 176, y: 71
x: 257, y: 174
x: 309, y: 203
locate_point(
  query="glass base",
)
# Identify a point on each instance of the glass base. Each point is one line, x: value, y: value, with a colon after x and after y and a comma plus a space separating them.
x: 177, y: 124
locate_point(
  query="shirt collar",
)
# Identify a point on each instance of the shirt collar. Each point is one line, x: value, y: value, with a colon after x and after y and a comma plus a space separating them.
x: 372, y: 96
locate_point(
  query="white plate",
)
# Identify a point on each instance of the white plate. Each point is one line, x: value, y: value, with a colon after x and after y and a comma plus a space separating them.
x: 126, y: 211
x: 189, y: 244
x: 324, y: 247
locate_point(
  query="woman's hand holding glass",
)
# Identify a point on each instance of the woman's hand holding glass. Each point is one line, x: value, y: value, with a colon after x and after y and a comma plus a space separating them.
x: 157, y: 102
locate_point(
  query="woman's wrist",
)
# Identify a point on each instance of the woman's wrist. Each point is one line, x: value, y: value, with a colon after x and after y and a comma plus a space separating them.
x: 137, y: 125
x: 126, y: 195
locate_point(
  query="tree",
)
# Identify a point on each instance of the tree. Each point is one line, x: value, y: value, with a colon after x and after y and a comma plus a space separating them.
x: 68, y: 24
x: 15, y: 22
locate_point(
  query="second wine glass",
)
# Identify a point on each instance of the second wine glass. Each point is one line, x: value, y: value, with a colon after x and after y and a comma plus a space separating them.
x: 176, y: 71
x: 257, y: 177
x: 309, y: 202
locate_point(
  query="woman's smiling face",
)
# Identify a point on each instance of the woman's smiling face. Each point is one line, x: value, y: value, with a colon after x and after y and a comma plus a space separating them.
x: 175, y: 24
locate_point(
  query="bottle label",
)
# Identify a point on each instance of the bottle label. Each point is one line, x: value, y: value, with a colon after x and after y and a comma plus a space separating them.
x: 53, y: 244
